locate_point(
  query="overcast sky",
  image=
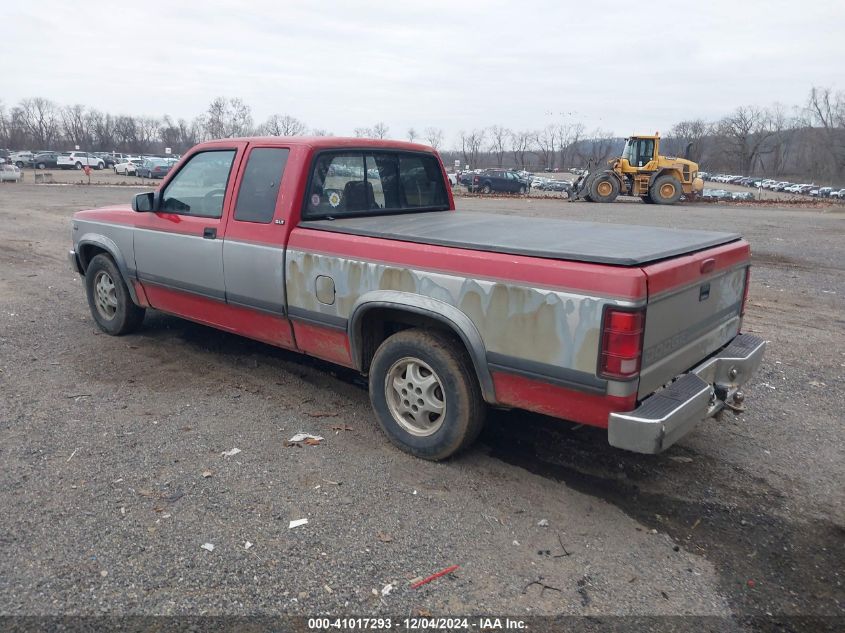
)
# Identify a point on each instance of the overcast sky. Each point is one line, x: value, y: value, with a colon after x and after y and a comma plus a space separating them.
x: 621, y: 66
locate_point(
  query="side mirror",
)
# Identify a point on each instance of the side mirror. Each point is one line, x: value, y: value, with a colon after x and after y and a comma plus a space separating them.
x: 144, y: 202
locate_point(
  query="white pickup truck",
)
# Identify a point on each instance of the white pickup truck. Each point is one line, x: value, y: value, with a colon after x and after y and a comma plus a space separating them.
x: 78, y: 160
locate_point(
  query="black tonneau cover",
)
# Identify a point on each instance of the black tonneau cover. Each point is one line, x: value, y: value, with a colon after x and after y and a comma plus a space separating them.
x: 616, y: 244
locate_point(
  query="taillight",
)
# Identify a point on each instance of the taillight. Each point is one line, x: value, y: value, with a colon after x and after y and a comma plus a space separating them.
x: 475, y: 179
x: 745, y: 291
x: 621, y: 343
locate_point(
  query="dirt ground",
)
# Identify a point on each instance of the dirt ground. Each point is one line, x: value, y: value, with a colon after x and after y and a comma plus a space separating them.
x: 113, y: 476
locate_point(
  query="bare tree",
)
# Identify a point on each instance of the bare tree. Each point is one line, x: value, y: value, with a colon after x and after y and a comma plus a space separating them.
x: 434, y: 137
x: 4, y: 126
x: 228, y: 118
x: 126, y: 133
x: 498, y: 140
x: 283, y: 125
x: 75, y: 126
x: 412, y: 134
x: 546, y: 141
x: 744, y: 132
x: 521, y: 144
x: 320, y: 132
x: 826, y: 112
x: 471, y: 146
x: 775, y: 153
x: 146, y: 134
x: 597, y: 149
x: 102, y: 128
x: 380, y: 130
x: 39, y: 119
x: 568, y: 136
x: 362, y: 132
x: 688, y: 139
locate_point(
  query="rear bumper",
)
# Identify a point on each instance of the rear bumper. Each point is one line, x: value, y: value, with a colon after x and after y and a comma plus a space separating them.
x: 666, y: 416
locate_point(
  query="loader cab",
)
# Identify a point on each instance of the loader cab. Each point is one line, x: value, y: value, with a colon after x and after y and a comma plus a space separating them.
x: 640, y: 150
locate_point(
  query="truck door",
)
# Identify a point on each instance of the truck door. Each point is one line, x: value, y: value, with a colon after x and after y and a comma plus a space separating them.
x: 179, y: 249
x: 254, y: 247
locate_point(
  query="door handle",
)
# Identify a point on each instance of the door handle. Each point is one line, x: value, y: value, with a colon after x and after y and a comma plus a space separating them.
x: 209, y: 233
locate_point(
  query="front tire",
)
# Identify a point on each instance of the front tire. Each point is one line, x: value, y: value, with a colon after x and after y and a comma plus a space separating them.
x: 486, y: 189
x: 666, y: 190
x: 605, y: 188
x: 425, y: 394
x: 108, y: 298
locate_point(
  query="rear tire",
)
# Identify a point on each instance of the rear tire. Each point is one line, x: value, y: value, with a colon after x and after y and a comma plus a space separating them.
x: 486, y: 189
x: 605, y: 188
x: 425, y: 393
x: 111, y: 304
x: 666, y: 190
x: 78, y: 166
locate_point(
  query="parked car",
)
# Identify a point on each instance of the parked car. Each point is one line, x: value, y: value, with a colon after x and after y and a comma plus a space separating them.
x: 45, y: 160
x: 453, y: 180
x: 128, y: 167
x: 154, y: 168
x: 742, y: 195
x: 78, y: 160
x: 499, y: 180
x: 10, y: 173
x: 793, y: 189
x: 21, y: 159
x: 112, y: 159
x: 716, y: 194
x: 838, y: 194
x: 632, y: 329
x: 558, y: 185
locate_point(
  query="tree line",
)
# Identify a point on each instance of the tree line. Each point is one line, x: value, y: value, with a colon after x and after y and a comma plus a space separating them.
x: 806, y: 141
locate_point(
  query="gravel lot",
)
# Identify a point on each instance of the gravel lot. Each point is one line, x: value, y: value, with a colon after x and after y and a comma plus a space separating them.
x: 113, y: 476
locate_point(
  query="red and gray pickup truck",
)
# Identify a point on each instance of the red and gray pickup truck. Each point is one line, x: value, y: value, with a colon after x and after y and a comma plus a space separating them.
x: 351, y: 250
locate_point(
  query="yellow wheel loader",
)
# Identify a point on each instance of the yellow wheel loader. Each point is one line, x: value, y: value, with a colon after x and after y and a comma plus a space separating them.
x: 641, y: 171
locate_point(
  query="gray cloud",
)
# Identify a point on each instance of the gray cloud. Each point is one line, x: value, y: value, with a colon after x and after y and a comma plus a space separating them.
x: 455, y: 65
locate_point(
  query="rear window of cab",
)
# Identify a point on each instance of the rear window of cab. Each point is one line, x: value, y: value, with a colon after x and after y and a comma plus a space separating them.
x: 346, y: 183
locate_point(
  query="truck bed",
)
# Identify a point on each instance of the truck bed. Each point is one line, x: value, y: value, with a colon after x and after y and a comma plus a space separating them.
x: 615, y: 244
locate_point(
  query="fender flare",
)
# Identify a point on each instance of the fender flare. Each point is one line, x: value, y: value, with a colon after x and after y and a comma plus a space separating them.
x: 435, y: 309
x: 103, y: 242
x: 661, y: 172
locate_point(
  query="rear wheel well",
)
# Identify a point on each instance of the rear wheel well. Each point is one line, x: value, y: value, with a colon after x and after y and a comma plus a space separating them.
x: 378, y: 324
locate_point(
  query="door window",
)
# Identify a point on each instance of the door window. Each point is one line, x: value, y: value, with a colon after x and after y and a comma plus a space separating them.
x: 200, y: 186
x: 260, y: 185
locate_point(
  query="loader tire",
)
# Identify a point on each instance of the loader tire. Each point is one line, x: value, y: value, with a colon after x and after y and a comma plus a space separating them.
x: 647, y: 199
x: 605, y: 188
x: 665, y: 190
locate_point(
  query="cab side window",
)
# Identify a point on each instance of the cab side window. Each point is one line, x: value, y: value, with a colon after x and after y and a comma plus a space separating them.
x: 260, y: 185
x: 200, y: 186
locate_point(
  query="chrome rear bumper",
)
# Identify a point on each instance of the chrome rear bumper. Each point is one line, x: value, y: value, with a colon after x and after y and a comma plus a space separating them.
x: 666, y: 416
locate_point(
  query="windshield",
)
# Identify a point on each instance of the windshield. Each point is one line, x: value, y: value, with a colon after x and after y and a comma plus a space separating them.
x: 638, y: 151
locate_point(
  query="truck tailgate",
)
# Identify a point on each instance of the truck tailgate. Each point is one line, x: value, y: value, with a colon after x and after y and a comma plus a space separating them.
x: 694, y: 308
